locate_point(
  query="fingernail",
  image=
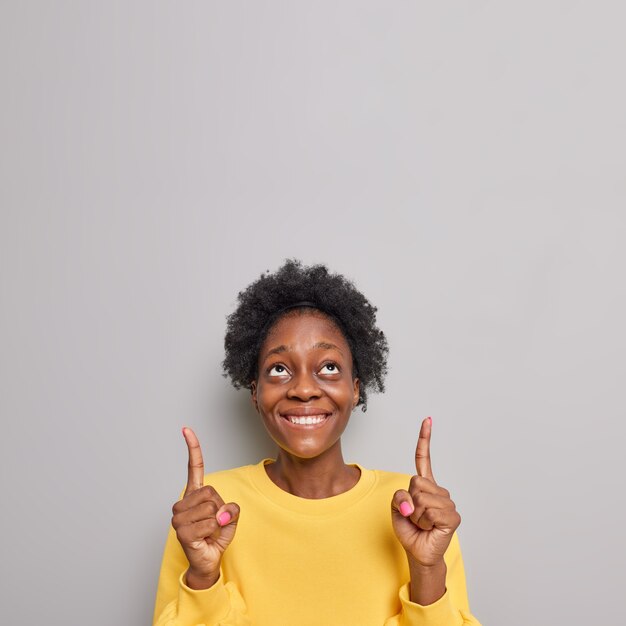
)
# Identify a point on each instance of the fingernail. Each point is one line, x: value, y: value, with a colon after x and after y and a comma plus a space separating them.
x: 430, y: 419
x: 223, y: 518
x: 183, y: 431
x: 406, y: 509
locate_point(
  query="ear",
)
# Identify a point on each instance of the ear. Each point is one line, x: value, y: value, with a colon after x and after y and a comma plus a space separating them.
x: 355, y: 392
x: 253, y: 392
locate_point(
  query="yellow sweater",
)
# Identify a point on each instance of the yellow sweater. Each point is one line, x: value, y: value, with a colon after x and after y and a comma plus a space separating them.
x: 301, y: 562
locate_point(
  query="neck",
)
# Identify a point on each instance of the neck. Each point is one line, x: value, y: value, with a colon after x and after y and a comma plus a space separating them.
x: 321, y: 477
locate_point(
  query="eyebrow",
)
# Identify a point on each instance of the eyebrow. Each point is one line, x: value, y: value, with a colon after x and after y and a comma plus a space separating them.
x: 323, y: 345
x: 327, y: 346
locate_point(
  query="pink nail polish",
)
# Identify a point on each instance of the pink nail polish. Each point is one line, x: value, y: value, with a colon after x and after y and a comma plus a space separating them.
x: 406, y: 509
x: 223, y: 518
x: 430, y: 419
x: 183, y: 430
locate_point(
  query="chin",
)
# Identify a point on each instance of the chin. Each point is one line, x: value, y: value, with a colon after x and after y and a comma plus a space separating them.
x: 304, y: 451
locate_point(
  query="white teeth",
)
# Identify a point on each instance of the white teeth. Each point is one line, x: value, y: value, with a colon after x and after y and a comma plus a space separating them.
x: 309, y: 419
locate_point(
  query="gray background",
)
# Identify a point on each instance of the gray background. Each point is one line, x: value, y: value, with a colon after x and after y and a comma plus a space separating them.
x: 463, y: 162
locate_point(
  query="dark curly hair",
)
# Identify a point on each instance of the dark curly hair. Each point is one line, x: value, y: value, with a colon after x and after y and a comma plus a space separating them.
x: 263, y: 302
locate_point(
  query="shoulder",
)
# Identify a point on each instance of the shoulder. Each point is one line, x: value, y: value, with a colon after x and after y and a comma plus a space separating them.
x: 228, y: 477
x: 228, y: 480
x: 386, y: 481
x: 392, y: 477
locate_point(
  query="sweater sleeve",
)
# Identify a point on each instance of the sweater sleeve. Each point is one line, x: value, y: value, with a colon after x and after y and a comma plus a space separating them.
x: 179, y: 605
x: 452, y: 609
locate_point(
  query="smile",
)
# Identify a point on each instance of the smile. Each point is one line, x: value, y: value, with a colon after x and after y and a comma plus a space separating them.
x: 308, y: 420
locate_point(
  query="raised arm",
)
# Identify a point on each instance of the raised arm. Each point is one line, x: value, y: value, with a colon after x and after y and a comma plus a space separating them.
x: 190, y: 590
x: 204, y: 525
x: 425, y: 519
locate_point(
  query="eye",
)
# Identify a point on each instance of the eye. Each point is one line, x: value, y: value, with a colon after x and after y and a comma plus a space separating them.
x: 329, y: 368
x: 277, y: 370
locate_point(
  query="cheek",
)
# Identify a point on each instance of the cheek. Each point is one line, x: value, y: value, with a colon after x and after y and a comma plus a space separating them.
x: 343, y: 396
x: 266, y: 397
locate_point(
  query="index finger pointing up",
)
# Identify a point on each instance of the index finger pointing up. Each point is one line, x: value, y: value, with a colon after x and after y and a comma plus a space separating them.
x: 422, y: 451
x: 195, y: 469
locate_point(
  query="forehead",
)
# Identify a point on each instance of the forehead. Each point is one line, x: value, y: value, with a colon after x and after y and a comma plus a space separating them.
x: 302, y: 330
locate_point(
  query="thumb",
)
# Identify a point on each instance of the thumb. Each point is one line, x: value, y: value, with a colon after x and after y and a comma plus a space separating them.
x: 402, y: 503
x: 227, y: 517
x: 228, y: 514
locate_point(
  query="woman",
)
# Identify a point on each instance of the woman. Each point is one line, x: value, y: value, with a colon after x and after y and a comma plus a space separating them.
x: 305, y: 539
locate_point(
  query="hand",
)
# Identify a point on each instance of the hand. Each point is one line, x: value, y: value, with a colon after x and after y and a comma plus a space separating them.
x: 204, y: 525
x: 424, y: 517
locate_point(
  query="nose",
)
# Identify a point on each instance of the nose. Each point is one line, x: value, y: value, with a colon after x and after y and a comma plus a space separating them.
x: 304, y: 387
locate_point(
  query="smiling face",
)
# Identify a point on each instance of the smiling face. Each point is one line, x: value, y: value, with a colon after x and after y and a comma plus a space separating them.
x: 304, y: 390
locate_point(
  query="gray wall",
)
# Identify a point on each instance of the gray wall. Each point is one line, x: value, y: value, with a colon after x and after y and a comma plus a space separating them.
x: 463, y: 162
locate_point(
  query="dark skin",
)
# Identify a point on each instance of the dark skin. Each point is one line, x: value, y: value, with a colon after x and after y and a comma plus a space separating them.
x: 305, y: 370
x: 305, y: 375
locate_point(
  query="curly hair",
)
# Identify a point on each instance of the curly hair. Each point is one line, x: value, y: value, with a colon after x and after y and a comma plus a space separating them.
x: 294, y: 286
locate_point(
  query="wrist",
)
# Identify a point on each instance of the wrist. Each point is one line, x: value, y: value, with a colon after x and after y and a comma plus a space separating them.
x: 198, y: 581
x: 428, y: 582
x: 425, y: 567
